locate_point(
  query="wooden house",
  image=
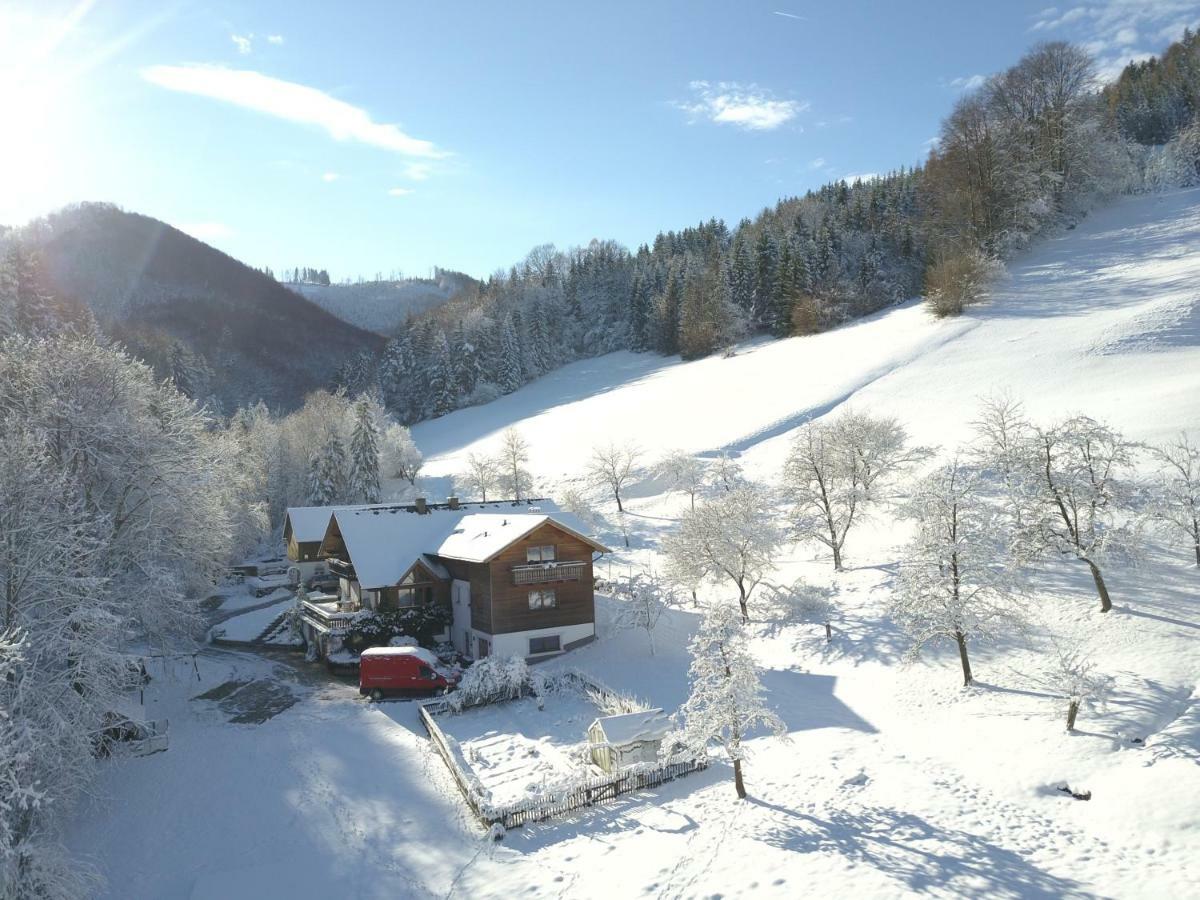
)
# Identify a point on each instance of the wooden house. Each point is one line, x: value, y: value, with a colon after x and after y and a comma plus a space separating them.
x: 516, y: 578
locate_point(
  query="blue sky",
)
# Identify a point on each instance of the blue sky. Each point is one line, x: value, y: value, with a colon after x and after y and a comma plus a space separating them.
x: 389, y: 136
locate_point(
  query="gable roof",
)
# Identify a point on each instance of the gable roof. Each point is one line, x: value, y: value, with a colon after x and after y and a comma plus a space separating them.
x: 629, y: 728
x: 480, y: 537
x: 308, y: 523
x: 385, y: 541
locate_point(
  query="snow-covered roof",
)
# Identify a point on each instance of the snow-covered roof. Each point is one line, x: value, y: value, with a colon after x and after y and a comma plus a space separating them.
x: 384, y: 541
x: 425, y: 656
x: 480, y: 536
x: 629, y: 728
x: 308, y: 523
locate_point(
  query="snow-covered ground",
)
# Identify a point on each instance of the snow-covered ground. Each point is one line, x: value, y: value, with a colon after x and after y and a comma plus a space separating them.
x: 893, y: 780
x: 248, y: 626
x: 516, y: 749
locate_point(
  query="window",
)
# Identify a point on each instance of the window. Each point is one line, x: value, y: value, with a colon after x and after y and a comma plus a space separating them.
x: 540, y: 554
x: 548, y: 644
x: 542, y: 600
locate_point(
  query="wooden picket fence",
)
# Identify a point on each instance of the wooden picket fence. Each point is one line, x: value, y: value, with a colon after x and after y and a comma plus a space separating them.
x: 589, y: 792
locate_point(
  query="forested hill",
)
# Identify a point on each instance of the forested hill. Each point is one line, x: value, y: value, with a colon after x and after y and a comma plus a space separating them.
x: 383, y: 305
x: 224, y: 332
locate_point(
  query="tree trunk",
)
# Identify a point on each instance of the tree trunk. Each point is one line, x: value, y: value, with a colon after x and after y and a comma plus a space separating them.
x: 620, y: 508
x: 837, y: 557
x: 744, y: 605
x: 737, y: 779
x: 1101, y: 588
x: 828, y: 633
x: 695, y: 599
x: 1072, y: 712
x: 962, y: 657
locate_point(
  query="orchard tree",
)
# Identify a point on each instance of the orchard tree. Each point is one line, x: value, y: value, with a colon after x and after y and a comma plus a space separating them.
x: 682, y: 472
x: 838, y: 469
x: 732, y: 537
x: 1177, y: 497
x: 514, y: 456
x: 1072, y: 676
x: 1085, y: 501
x: 726, y: 699
x: 804, y: 603
x: 482, y: 475
x: 955, y: 583
x: 398, y: 454
x: 643, y: 598
x: 612, y: 466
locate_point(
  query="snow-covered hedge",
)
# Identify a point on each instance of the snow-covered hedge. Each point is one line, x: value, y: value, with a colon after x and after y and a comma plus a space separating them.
x: 493, y: 679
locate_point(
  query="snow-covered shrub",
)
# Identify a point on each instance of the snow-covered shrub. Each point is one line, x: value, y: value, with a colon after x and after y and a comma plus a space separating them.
x: 802, y: 603
x: 614, y: 703
x: 378, y: 629
x: 493, y: 679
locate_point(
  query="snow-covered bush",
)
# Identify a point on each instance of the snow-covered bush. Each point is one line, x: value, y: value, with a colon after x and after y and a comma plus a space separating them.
x: 614, y: 703
x: 493, y: 679
x: 378, y: 629
x: 959, y: 280
x: 802, y: 603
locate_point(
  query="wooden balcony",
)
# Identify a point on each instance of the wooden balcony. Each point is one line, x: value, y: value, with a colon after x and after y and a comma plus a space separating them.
x: 328, y: 615
x: 549, y: 572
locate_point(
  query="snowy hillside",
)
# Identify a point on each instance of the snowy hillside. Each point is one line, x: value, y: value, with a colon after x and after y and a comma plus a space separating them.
x: 1104, y: 319
x: 893, y: 781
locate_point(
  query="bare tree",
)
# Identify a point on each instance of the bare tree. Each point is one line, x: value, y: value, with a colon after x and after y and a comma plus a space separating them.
x: 482, y: 475
x: 837, y: 469
x: 399, y: 456
x: 955, y: 582
x: 805, y: 604
x: 514, y: 455
x: 731, y: 537
x: 682, y: 472
x: 1177, y: 497
x: 727, y: 472
x: 612, y: 466
x: 643, y: 598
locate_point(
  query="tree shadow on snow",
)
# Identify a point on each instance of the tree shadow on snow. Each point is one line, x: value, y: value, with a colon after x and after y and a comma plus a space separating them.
x: 922, y: 856
x: 806, y: 702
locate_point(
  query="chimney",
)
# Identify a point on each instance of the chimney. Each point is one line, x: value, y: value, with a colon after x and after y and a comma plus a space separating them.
x: 452, y: 502
x: 420, y: 506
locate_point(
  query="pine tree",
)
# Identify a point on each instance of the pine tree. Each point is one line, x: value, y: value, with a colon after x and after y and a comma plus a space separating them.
x: 508, y: 376
x: 442, y: 379
x: 364, y: 454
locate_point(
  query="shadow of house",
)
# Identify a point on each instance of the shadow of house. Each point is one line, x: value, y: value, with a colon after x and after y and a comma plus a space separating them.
x: 806, y: 702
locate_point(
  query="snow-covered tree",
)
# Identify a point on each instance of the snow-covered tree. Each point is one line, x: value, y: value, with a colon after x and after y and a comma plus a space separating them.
x: 682, y: 472
x: 726, y: 472
x: 398, y: 454
x: 612, y: 466
x: 364, y: 455
x: 732, y: 537
x: 955, y: 580
x: 642, y: 600
x: 1084, y: 508
x: 515, y: 479
x: 1071, y: 674
x: 838, y: 468
x: 726, y: 699
x: 804, y: 603
x: 1177, y: 494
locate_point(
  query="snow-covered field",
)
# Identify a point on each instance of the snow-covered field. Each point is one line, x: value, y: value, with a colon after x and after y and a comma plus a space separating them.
x: 893, y: 780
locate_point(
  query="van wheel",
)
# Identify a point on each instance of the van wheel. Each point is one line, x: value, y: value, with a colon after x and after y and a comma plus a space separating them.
x: 377, y: 695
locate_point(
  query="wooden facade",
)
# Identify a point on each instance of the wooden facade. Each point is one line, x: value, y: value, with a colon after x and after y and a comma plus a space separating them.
x: 509, y: 602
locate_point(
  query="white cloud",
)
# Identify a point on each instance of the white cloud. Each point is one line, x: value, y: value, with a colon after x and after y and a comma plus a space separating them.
x: 788, y: 15
x: 968, y: 82
x: 818, y: 163
x: 743, y: 106
x: 244, y: 42
x: 207, y: 231
x: 289, y: 101
x: 418, y: 171
x: 275, y: 39
x: 330, y: 176
x: 399, y: 192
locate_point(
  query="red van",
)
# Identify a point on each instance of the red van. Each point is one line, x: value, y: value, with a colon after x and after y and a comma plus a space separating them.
x: 384, y: 670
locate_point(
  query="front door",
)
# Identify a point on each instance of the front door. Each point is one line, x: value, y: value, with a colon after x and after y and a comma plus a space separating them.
x: 460, y: 607
x: 484, y: 648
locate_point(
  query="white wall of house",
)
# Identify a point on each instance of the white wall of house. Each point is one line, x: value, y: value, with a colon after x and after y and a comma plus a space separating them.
x: 516, y: 643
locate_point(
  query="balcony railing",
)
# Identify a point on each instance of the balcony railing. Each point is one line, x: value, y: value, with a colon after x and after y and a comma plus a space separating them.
x: 328, y: 615
x: 543, y: 573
